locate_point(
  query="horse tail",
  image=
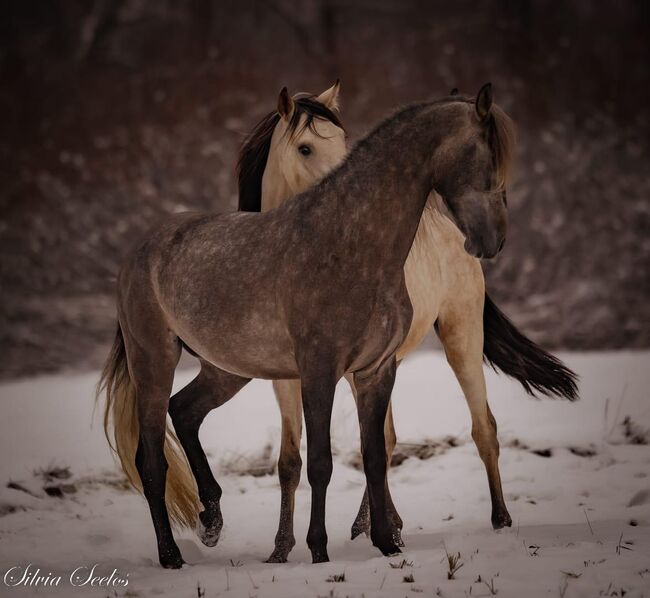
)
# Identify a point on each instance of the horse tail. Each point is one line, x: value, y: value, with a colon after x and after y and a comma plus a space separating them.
x: 507, y: 349
x: 122, y: 431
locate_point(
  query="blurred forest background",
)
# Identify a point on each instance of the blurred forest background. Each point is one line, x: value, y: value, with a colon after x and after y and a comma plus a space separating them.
x: 117, y: 112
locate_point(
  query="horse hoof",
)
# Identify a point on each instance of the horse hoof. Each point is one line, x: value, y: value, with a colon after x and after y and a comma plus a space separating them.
x: 388, y: 548
x: 319, y: 557
x: 277, y: 557
x: 172, y: 561
x: 501, y: 520
x: 209, y: 534
x: 392, y: 551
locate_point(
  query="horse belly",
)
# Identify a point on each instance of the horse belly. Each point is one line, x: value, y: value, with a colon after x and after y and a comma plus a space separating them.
x: 248, y: 353
x: 251, y: 342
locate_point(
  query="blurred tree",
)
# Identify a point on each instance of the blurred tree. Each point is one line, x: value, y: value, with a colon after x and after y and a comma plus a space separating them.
x: 117, y: 112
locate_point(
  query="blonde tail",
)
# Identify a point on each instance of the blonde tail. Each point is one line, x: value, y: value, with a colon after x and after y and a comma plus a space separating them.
x: 122, y: 432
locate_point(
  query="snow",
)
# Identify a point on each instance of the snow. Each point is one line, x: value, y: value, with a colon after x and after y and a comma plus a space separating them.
x: 571, y: 531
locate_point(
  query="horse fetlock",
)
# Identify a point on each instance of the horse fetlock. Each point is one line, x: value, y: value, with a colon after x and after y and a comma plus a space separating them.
x: 170, y: 556
x: 278, y: 556
x: 317, y: 543
x: 319, y: 556
x: 501, y: 518
x: 361, y: 525
x: 385, y: 543
x: 382, y: 536
x: 397, y: 537
x: 283, y: 546
x: 395, y: 522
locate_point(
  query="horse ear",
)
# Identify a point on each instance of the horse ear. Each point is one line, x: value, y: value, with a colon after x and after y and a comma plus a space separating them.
x: 285, y: 104
x: 484, y: 101
x: 454, y: 91
x: 330, y: 97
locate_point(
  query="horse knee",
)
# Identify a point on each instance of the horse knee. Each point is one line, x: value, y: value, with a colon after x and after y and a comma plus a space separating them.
x: 319, y: 471
x: 289, y: 466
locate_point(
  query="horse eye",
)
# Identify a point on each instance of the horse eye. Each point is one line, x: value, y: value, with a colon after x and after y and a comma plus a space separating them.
x: 305, y: 150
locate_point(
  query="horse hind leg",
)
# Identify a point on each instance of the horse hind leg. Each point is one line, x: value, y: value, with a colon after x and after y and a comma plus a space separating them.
x: 152, y: 354
x: 289, y: 397
x: 462, y: 339
x: 211, y: 388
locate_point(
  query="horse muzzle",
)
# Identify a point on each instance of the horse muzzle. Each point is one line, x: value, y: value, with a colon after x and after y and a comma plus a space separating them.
x: 482, y: 248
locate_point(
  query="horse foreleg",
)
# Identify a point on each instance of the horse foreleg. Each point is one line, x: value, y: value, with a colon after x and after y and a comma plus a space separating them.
x: 287, y: 393
x: 188, y: 408
x: 373, y: 396
x: 462, y: 339
x: 317, y: 398
x: 361, y: 523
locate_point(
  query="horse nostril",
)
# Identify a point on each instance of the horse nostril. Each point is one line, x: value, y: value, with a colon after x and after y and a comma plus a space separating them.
x: 503, y: 242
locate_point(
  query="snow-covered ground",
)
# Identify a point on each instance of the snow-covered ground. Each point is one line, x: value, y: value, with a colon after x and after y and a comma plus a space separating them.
x: 581, y: 515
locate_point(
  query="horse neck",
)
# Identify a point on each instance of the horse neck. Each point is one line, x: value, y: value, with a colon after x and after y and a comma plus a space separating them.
x: 382, y: 188
x: 275, y: 188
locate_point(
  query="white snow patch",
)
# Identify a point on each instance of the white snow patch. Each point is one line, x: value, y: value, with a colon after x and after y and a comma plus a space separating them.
x: 571, y: 513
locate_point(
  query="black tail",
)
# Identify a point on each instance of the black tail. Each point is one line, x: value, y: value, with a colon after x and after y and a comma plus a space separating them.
x: 507, y: 349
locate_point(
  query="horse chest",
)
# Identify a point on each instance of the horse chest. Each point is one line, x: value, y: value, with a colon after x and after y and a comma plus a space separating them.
x: 386, y: 328
x: 425, y: 284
